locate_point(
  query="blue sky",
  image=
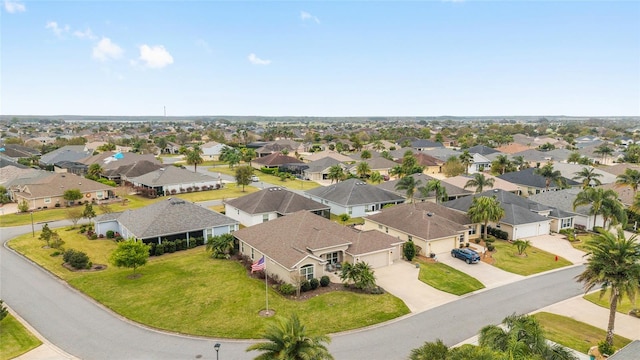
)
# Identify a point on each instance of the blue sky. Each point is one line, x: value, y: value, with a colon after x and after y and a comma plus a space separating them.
x: 356, y: 58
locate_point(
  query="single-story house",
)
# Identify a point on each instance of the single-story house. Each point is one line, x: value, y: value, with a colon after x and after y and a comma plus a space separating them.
x: 522, y: 217
x: 327, y: 153
x: 172, y: 179
x: 432, y: 227
x: 453, y: 192
x: 278, y: 146
x: 305, y: 245
x: 211, y: 150
x: 65, y: 153
x: 563, y: 200
x: 482, y: 150
x: 432, y: 165
x: 532, y: 183
x: 378, y: 164
x: 270, y: 204
x: 354, y: 197
x: 461, y: 180
x: 274, y: 160
x: 169, y: 219
x: 319, y: 169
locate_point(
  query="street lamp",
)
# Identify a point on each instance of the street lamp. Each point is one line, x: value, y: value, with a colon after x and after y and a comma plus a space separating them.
x: 217, y: 347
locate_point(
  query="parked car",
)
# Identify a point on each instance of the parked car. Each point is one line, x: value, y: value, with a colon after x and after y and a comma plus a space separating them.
x: 468, y: 255
x: 255, y: 178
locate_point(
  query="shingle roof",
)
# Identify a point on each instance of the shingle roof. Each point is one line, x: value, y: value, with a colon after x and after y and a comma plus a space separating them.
x: 528, y: 177
x: 371, y: 241
x: 461, y: 180
x: 65, y: 153
x: 327, y: 153
x: 442, y: 153
x: 452, y: 190
x: 533, y: 155
x: 321, y: 164
x: 170, y: 175
x: 171, y: 216
x: 425, y: 220
x: 629, y: 352
x: 55, y: 184
x: 561, y: 199
x: 276, y: 159
x: 289, y: 239
x: 378, y: 163
x: 354, y: 192
x: 421, y: 143
x: 132, y: 170
x: 482, y: 150
x: 275, y: 199
x: 424, y: 159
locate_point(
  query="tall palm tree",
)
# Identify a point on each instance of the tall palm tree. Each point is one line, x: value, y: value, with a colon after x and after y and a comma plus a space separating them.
x: 501, y: 164
x: 484, y: 209
x: 550, y: 175
x: 574, y: 157
x: 94, y: 171
x: 603, y: 202
x: 521, y: 337
x: 466, y: 159
x: 614, y: 263
x: 603, y: 150
x: 520, y: 163
x: 630, y: 178
x: 436, y: 186
x: 588, y: 176
x: 409, y: 184
x: 363, y: 169
x: 288, y: 339
x: 194, y: 158
x: 230, y: 155
x: 479, y: 181
x: 375, y: 177
x: 336, y: 173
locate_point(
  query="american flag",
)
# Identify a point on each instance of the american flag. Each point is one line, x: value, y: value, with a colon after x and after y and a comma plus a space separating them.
x: 258, y: 265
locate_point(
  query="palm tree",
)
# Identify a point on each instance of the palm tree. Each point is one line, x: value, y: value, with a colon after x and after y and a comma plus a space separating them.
x: 288, y: 339
x: 436, y: 186
x: 94, y: 171
x: 248, y: 155
x: 194, y: 158
x: 409, y: 184
x: 363, y: 169
x: 484, y: 209
x: 614, y: 263
x: 630, y: 178
x: 603, y: 202
x: 378, y: 145
x: 365, y: 154
x: 466, y: 159
x: 501, y: 164
x: 336, y: 173
x: 375, y: 177
x: 520, y: 163
x: 521, y: 337
x: 603, y: 150
x: 220, y: 246
x: 588, y: 176
x: 574, y: 158
x: 230, y: 155
x: 480, y: 182
x: 551, y: 175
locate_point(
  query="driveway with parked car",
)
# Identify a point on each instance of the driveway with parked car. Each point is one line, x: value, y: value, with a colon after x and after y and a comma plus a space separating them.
x: 490, y: 276
x: 467, y: 255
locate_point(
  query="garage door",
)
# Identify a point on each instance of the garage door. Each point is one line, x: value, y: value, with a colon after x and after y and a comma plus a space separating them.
x: 529, y: 230
x: 442, y: 246
x: 376, y: 260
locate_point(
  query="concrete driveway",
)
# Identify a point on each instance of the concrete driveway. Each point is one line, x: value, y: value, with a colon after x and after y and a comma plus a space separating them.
x: 401, y: 280
x: 557, y: 244
x: 490, y: 276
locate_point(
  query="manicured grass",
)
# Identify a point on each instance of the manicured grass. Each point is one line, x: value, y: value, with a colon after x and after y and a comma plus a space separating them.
x: 579, y: 244
x: 296, y: 184
x: 218, y: 208
x: 536, y: 260
x: 229, y: 191
x: 15, y: 339
x: 185, y: 290
x: 447, y: 279
x: 574, y: 334
x: 624, y: 307
x: 351, y: 221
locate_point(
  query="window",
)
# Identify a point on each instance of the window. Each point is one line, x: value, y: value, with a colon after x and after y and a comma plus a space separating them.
x: 566, y: 223
x: 379, y: 226
x: 99, y: 194
x: 237, y: 212
x: 242, y: 247
x: 265, y: 218
x: 409, y: 238
x: 332, y: 258
x: 252, y: 255
x: 350, y: 211
x: 472, y: 230
x: 47, y: 200
x: 461, y: 238
x: 306, y: 272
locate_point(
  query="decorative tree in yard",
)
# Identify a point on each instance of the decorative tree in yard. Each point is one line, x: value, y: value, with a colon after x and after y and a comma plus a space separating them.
x: 479, y: 181
x: 588, y: 176
x: 630, y: 178
x: 72, y: 195
x: 436, y: 186
x: 288, y: 339
x: 551, y: 176
x: 243, y: 175
x: 130, y: 254
x: 613, y: 263
x: 194, y: 158
x: 603, y: 202
x: 46, y: 234
x: 220, y: 246
x: 88, y: 211
x: 484, y: 209
x: 409, y: 184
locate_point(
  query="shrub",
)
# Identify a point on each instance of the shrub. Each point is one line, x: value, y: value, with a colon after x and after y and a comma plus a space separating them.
x: 305, y: 285
x: 287, y: 289
x: 152, y: 249
x: 199, y: 241
x: 110, y: 234
x: 376, y: 290
x: 77, y: 259
x: 192, y: 243
x: 169, y: 246
x: 93, y: 236
x: 605, y: 348
x: 324, y: 281
x: 409, y: 250
x: 634, y: 313
x: 159, y: 249
x: 56, y: 253
x: 491, y: 247
x: 314, y: 283
x: 101, y: 236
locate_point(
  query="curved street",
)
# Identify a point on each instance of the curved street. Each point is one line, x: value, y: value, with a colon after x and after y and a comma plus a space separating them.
x: 79, y: 326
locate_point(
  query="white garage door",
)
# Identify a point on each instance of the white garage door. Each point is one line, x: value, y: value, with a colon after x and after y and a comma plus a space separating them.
x: 442, y: 246
x: 376, y: 260
x: 529, y: 230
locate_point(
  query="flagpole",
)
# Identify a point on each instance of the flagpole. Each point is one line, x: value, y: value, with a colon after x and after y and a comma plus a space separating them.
x: 266, y: 284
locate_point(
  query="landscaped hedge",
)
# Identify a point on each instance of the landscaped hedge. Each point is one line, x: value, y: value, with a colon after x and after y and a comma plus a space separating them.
x: 502, y: 235
x: 270, y: 171
x: 167, y: 246
x: 77, y: 259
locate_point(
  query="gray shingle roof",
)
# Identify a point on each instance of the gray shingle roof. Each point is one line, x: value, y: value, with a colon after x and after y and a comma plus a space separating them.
x: 561, y: 199
x: 482, y: 150
x: 65, y: 153
x: 321, y: 165
x: 170, y: 175
x: 354, y: 192
x: 275, y: 199
x: 452, y: 190
x: 528, y: 177
x: 171, y: 216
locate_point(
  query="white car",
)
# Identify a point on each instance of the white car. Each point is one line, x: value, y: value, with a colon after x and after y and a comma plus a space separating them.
x: 254, y: 178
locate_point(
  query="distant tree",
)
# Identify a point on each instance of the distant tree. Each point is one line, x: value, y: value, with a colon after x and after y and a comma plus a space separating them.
x: 604, y: 150
x: 603, y: 202
x: 501, y: 164
x: 632, y: 154
x: 375, y: 177
x: 243, y: 175
x: 4, y: 195
x: 378, y: 146
x: 248, y: 155
x: 336, y: 173
x: 130, y: 254
x: 194, y: 158
x: 484, y: 209
x: 520, y: 163
x: 479, y: 181
x: 366, y: 154
x: 46, y: 235
x: 630, y: 178
x: 435, y: 186
x: 547, y: 147
x: 88, y: 211
x: 230, y: 155
x: 72, y: 195
x: 574, y: 158
x: 107, y: 147
x: 466, y: 159
x: 409, y: 184
x: 588, y: 176
x: 363, y: 169
x: 551, y: 176
x: 453, y: 167
x: 410, y: 164
x: 386, y: 155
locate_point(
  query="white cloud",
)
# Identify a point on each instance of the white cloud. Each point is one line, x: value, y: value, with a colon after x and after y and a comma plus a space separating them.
x: 306, y: 16
x: 57, y: 29
x: 13, y: 7
x: 105, y: 50
x: 155, y: 57
x: 257, y: 61
x: 87, y: 34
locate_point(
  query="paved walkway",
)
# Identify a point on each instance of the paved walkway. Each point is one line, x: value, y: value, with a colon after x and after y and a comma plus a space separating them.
x: 490, y: 276
x: 557, y: 244
x: 401, y: 280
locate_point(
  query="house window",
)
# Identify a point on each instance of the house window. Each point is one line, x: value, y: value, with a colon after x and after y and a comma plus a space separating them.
x: 252, y: 254
x: 461, y: 239
x: 566, y: 223
x: 47, y: 200
x: 472, y: 230
x: 306, y: 272
x: 99, y: 194
x: 409, y: 238
x: 242, y: 247
x: 265, y: 218
x: 332, y: 258
x: 237, y: 212
x: 350, y: 211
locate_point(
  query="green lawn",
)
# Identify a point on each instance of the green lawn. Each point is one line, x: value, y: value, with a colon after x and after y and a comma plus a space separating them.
x: 536, y: 261
x: 447, y: 279
x: 15, y: 339
x: 296, y: 184
x: 230, y: 191
x: 351, y: 221
x: 574, y: 334
x: 579, y: 244
x: 624, y: 307
x: 186, y: 290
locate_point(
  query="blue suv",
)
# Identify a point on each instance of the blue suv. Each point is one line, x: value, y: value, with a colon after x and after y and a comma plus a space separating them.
x: 468, y: 255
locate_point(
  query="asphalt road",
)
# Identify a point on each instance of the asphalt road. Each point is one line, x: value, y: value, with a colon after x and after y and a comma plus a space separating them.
x: 85, y: 329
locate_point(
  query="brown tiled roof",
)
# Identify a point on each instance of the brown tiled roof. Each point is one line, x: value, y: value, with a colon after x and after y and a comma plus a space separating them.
x: 618, y: 169
x: 276, y: 159
x: 275, y: 199
x: 58, y: 183
x: 625, y: 193
x: 427, y: 160
x: 371, y: 241
x: 425, y: 220
x: 514, y: 148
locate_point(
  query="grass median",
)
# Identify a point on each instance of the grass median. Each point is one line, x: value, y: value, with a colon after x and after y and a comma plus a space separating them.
x: 624, y: 306
x: 190, y: 293
x: 292, y: 184
x: 532, y: 262
x: 15, y: 339
x: 446, y: 278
